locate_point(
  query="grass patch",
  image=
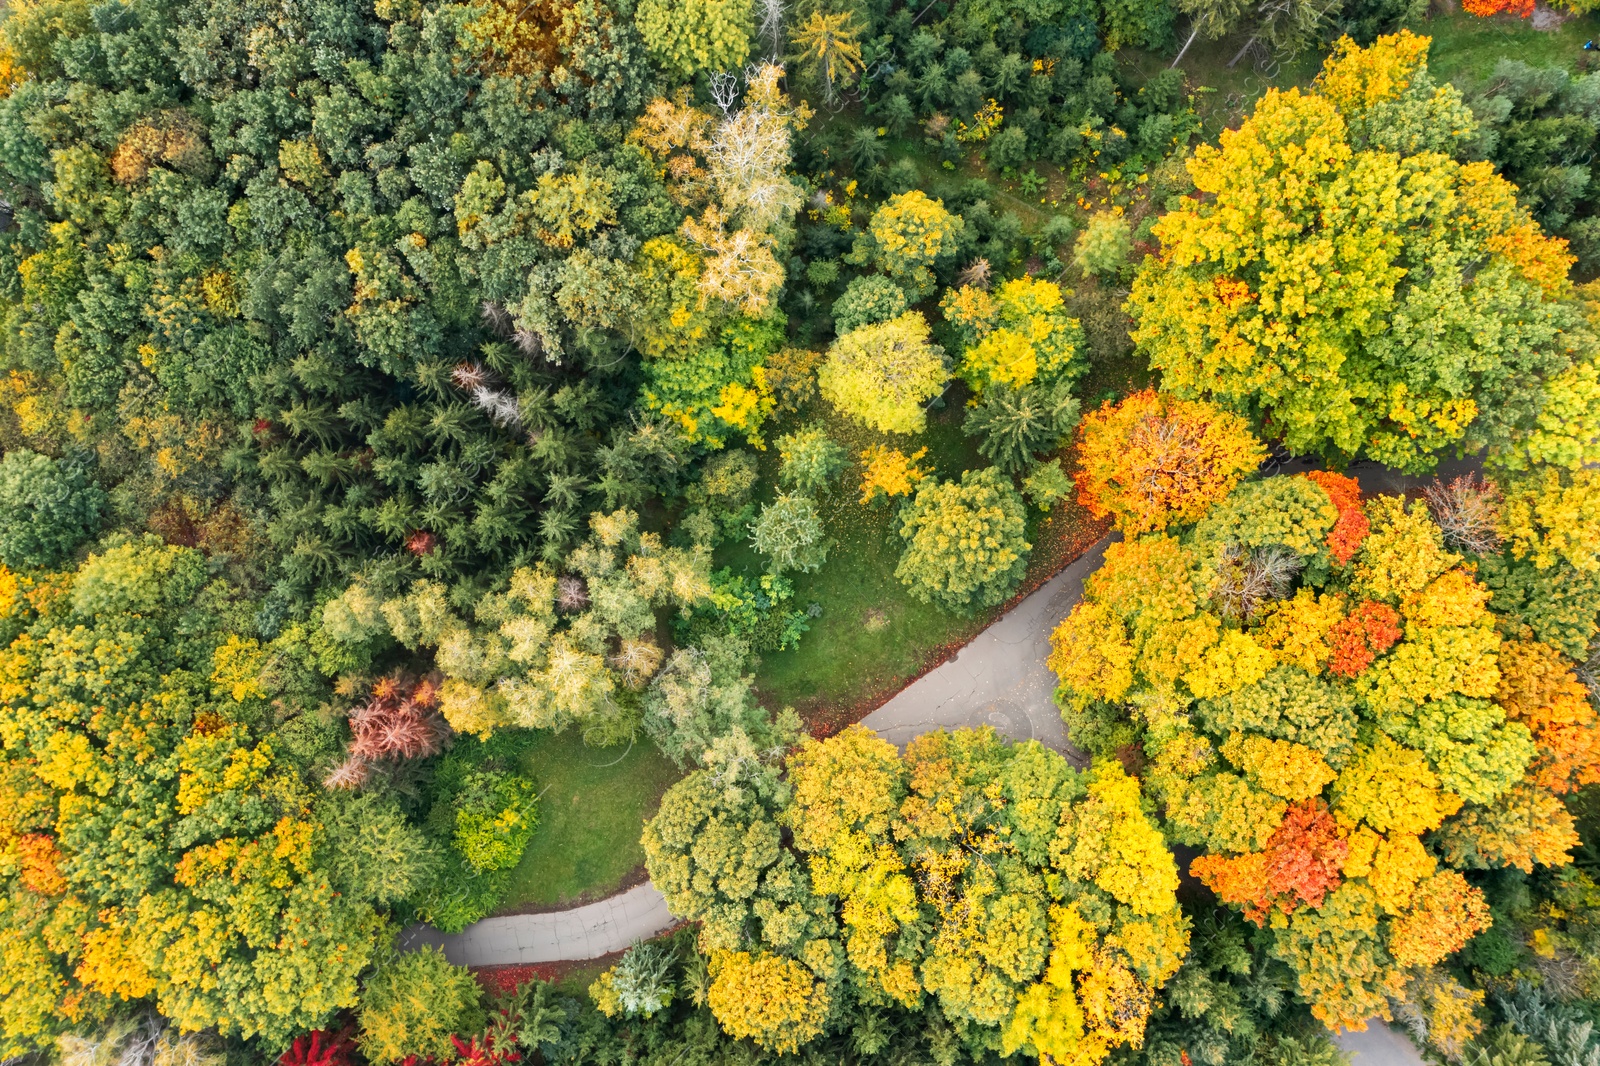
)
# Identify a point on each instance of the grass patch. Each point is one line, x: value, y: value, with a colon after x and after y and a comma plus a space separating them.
x: 873, y: 635
x: 1466, y: 47
x: 593, y: 802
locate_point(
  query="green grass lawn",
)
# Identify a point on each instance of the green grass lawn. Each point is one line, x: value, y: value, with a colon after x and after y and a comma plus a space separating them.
x: 873, y: 635
x: 593, y: 802
x: 1466, y: 47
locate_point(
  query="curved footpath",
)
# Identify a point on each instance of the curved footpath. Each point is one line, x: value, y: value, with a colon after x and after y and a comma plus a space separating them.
x: 1000, y: 679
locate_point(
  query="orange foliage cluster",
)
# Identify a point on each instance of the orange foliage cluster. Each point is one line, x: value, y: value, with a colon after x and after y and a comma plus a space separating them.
x: 1345, y: 538
x: 41, y: 864
x: 1152, y: 461
x: 1539, y: 689
x: 1446, y: 912
x: 1487, y: 8
x: 1300, y: 865
x: 1369, y: 631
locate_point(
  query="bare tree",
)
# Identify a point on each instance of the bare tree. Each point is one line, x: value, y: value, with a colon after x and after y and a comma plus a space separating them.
x: 771, y: 25
x: 1287, y: 26
x: 1467, y: 509
x: 725, y: 90
x: 1247, y: 580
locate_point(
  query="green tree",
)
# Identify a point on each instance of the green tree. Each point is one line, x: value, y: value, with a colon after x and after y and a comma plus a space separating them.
x: 1105, y: 246
x: 372, y: 851
x: 866, y: 301
x: 1388, y: 271
x: 703, y: 693
x: 964, y: 542
x: 907, y: 237
x: 789, y: 532
x: 701, y: 35
x: 413, y: 1003
x: 47, y: 508
x: 811, y: 459
x: 1015, y: 424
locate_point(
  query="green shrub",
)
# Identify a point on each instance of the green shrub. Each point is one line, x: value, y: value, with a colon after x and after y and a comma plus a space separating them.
x: 1047, y: 484
x: 789, y: 532
x: 1105, y: 245
x: 47, y: 508
x: 964, y: 542
x: 811, y: 459
x: 412, y: 1005
x: 867, y: 301
x: 495, y: 816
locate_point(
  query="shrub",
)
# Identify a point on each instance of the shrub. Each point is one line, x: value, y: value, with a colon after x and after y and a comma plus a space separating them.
x: 47, y: 508
x: 889, y: 472
x: 867, y: 301
x: 789, y: 533
x: 1047, y: 484
x: 495, y: 816
x: 414, y: 1003
x: 638, y: 986
x: 1013, y: 424
x: 964, y: 542
x: 811, y: 459
x: 882, y: 375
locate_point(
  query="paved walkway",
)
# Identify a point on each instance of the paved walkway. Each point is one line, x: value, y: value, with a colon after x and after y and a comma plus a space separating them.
x: 1380, y: 1045
x: 999, y: 679
x: 585, y: 932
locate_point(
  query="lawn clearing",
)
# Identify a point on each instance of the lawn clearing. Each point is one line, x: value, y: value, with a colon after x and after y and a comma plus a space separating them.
x: 873, y: 636
x: 1466, y: 48
x: 593, y: 802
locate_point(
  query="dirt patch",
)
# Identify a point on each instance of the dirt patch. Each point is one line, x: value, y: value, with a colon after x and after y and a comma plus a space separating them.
x: 1546, y: 19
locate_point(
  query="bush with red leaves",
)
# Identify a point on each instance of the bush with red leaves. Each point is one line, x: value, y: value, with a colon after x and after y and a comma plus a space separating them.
x: 321, y: 1048
x: 1300, y: 865
x: 400, y: 720
x: 1345, y: 538
x: 1369, y: 631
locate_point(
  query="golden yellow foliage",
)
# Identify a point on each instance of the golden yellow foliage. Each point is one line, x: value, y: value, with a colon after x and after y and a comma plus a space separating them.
x: 774, y: 1001
x: 1391, y: 788
x: 1292, y: 771
x: 889, y: 472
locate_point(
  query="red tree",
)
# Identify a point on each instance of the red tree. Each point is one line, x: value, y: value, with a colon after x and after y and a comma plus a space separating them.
x: 400, y: 720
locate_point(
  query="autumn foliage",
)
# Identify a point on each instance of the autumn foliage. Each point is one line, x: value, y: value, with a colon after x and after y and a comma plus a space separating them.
x: 988, y: 881
x: 1346, y: 743
x: 1152, y: 460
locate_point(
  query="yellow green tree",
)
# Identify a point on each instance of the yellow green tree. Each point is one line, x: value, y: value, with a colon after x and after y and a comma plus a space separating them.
x: 157, y: 846
x: 883, y: 375
x: 986, y: 880
x: 1357, y: 298
x: 700, y: 35
x: 907, y: 237
x: 1333, y: 713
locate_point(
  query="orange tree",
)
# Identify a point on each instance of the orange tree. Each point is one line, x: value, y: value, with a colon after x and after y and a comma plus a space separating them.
x: 1347, y: 281
x: 1152, y: 459
x: 1335, y: 717
x: 1033, y: 906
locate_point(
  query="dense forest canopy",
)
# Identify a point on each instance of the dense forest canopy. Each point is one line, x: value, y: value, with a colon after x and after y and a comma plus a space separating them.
x: 396, y: 392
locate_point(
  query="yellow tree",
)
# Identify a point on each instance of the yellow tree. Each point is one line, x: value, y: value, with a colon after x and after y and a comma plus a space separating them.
x: 1317, y: 280
x: 829, y: 47
x: 882, y: 375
